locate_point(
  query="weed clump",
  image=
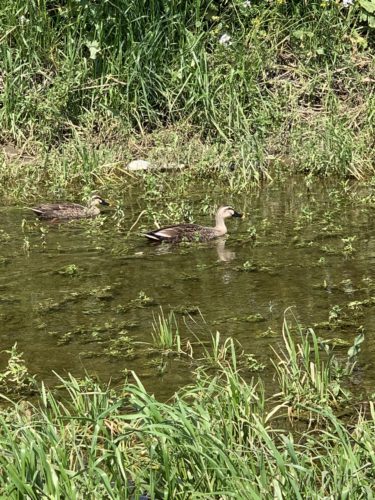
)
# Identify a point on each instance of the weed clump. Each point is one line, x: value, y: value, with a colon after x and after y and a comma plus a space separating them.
x: 250, y: 87
x: 15, y: 379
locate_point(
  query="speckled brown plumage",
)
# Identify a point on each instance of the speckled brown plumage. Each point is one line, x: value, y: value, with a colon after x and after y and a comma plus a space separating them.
x: 194, y: 232
x: 69, y: 210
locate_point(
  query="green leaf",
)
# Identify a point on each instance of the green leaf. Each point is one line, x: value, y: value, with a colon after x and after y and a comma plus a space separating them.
x: 368, y: 5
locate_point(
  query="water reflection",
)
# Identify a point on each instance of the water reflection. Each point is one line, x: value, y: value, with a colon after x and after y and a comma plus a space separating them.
x: 224, y: 254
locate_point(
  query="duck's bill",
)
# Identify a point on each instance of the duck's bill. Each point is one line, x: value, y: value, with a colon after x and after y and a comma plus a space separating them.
x: 237, y: 214
x: 103, y: 202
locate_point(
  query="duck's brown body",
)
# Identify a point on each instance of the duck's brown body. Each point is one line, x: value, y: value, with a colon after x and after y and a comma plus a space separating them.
x: 69, y: 210
x: 194, y: 232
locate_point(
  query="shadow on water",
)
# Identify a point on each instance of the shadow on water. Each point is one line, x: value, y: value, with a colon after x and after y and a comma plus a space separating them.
x: 80, y: 297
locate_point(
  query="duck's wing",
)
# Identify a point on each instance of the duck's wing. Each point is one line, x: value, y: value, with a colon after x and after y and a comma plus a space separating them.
x: 175, y: 233
x: 52, y: 210
x: 57, y: 207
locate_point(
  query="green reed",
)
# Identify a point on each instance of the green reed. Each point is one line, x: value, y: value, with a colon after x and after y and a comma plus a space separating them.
x: 308, y: 372
x: 165, y: 332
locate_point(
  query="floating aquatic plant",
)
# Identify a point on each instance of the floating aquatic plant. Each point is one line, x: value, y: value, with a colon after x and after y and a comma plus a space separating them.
x: 15, y: 378
x: 69, y: 270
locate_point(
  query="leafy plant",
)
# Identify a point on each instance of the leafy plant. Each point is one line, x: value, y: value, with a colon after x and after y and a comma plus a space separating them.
x: 15, y: 378
x: 367, y: 12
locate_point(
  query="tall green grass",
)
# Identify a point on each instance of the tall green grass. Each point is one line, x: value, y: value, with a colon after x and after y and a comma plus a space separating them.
x: 294, y: 82
x: 216, y: 438
x: 305, y: 375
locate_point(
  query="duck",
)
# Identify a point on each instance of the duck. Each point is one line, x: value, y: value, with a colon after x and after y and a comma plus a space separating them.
x: 194, y: 232
x: 70, y: 210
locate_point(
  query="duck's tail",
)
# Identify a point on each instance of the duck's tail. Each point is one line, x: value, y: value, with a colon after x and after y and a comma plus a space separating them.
x: 152, y: 236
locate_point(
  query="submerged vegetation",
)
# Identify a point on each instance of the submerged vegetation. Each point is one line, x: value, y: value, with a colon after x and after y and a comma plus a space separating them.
x: 216, y: 437
x: 236, y: 88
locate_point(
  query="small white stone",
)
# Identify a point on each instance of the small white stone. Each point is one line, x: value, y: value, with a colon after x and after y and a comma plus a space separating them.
x: 225, y: 39
x: 139, y: 165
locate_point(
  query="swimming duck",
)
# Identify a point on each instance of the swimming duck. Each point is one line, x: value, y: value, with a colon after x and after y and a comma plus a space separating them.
x: 69, y: 210
x: 194, y: 232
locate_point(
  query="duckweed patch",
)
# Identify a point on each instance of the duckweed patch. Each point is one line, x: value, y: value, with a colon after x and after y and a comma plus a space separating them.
x: 336, y: 341
x: 268, y: 333
x: 252, y: 318
x: 121, y: 347
x: 142, y: 301
x: 253, y: 365
x: 186, y: 310
x: 4, y: 237
x: 50, y: 305
x: 192, y: 277
x: 106, y: 332
x: 69, y: 270
x: 103, y: 294
x: 252, y: 267
x: 358, y: 304
x: 247, y: 318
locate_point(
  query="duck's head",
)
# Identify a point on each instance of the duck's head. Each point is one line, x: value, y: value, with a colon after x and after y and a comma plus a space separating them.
x: 227, y: 211
x: 96, y: 200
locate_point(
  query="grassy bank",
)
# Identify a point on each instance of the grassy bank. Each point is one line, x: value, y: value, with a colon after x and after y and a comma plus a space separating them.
x: 215, y: 439
x: 84, y: 87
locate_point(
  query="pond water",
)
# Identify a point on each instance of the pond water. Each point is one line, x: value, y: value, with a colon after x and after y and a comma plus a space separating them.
x: 82, y: 297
